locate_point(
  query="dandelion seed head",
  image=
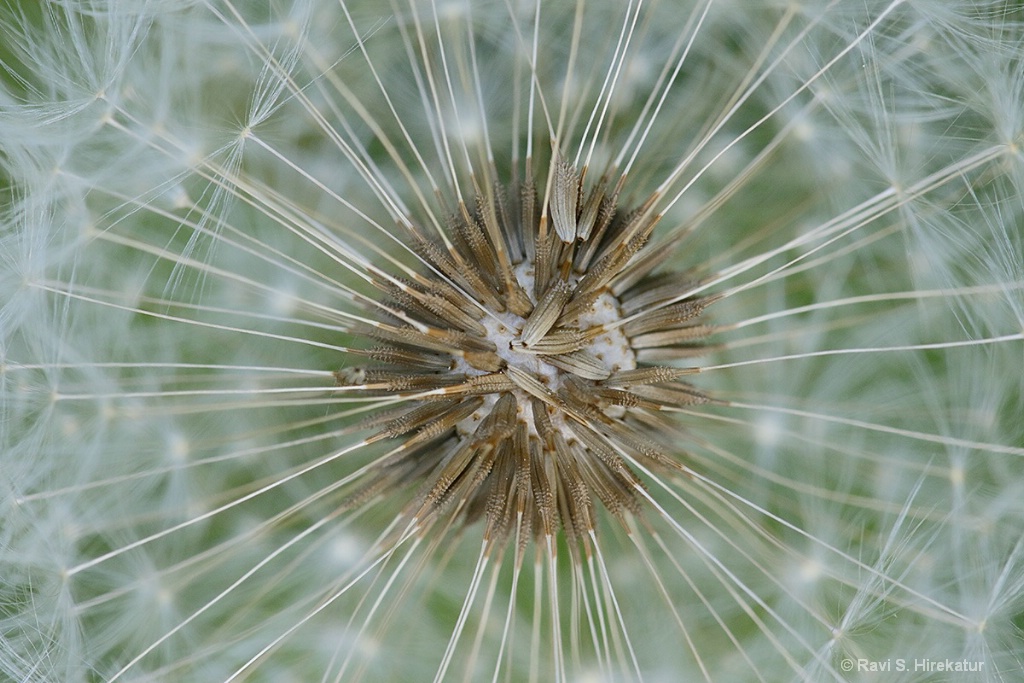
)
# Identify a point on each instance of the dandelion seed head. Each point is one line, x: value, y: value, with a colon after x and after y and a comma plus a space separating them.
x: 213, y: 205
x: 531, y: 344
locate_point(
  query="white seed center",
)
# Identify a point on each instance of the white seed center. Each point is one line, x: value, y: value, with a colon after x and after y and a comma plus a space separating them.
x: 611, y: 347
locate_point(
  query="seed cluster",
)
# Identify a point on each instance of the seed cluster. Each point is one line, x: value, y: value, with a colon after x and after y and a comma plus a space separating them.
x: 527, y: 353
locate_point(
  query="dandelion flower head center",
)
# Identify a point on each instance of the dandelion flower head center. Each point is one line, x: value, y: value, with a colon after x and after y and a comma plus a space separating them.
x: 610, y: 348
x: 526, y: 356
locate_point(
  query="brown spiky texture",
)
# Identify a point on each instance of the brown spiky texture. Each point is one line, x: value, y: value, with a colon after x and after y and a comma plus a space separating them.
x: 521, y: 358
